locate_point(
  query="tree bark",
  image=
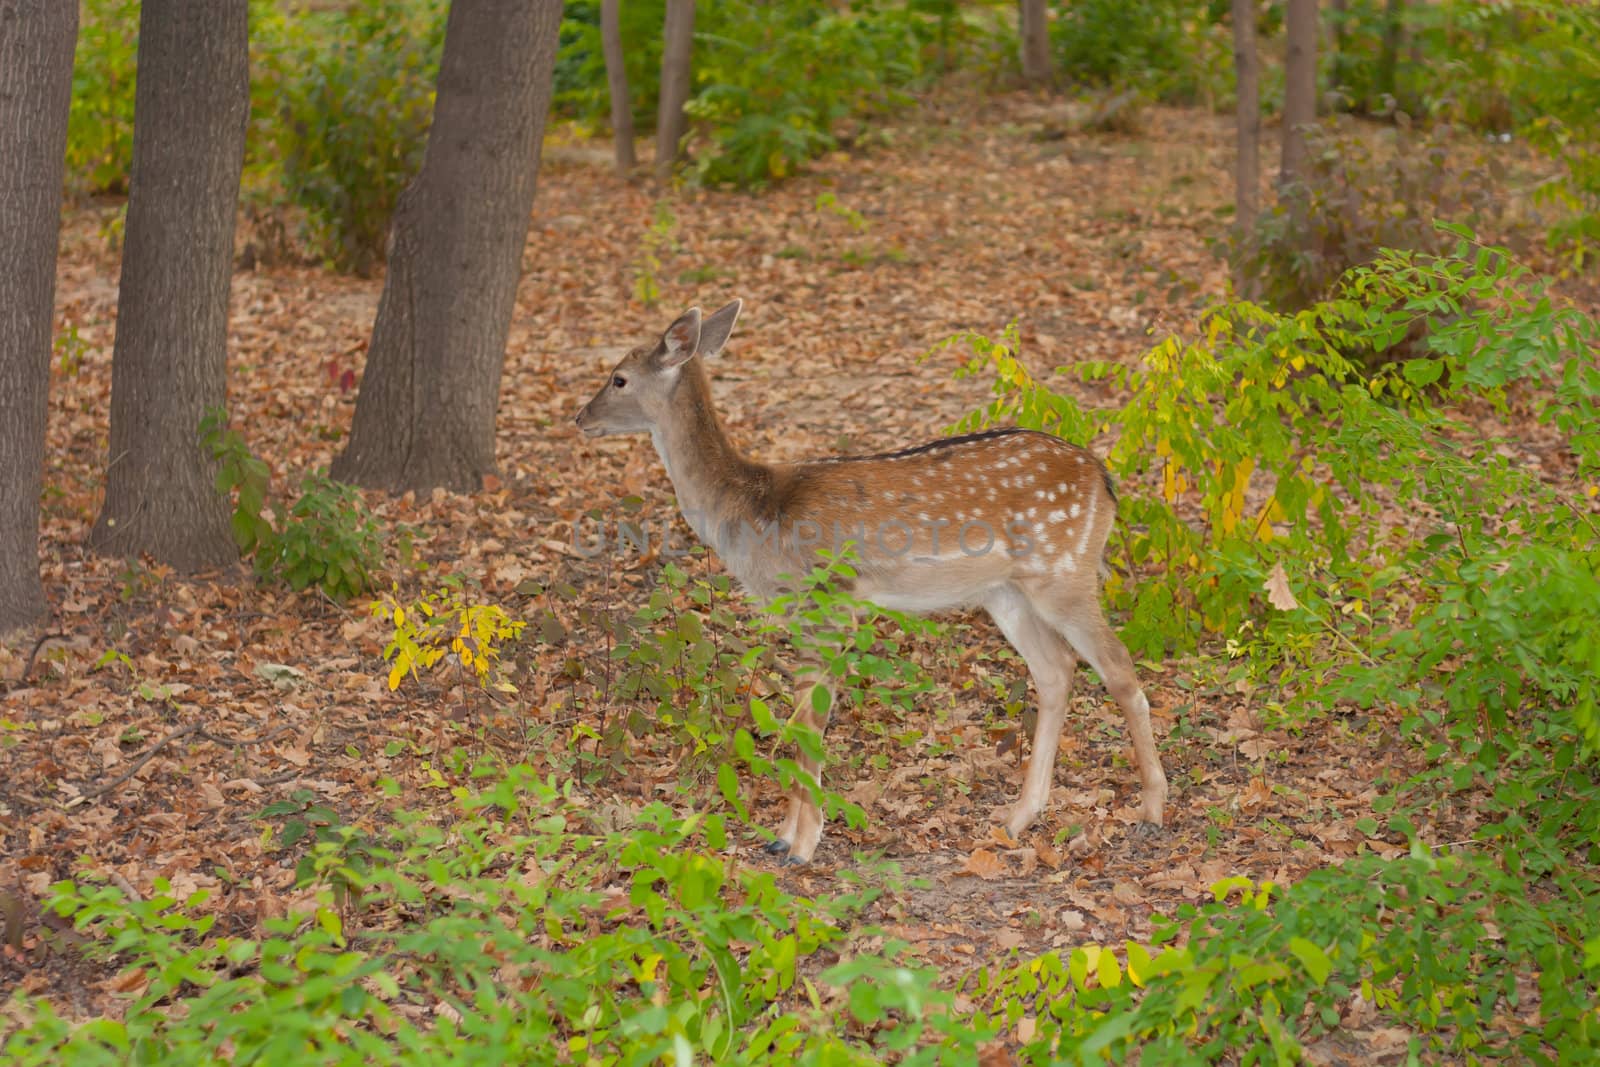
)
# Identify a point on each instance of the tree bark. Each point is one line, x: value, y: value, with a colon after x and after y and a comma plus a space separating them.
x: 1394, y: 18
x: 1300, y: 88
x: 170, y: 362
x: 676, y: 54
x: 1034, y: 30
x: 425, y: 415
x: 36, y: 42
x: 617, y: 81
x: 1247, y: 161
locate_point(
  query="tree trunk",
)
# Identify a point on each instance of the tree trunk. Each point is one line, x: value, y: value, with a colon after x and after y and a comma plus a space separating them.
x: 676, y: 51
x: 617, y: 80
x: 1247, y: 162
x: 36, y: 42
x: 1300, y: 88
x: 425, y: 415
x: 1394, y: 18
x: 1034, y: 28
x: 170, y: 362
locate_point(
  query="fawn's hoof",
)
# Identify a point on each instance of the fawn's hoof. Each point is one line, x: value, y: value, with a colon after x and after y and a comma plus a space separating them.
x: 776, y: 847
x: 1148, y: 829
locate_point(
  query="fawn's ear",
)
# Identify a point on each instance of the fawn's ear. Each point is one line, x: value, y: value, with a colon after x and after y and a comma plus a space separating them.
x: 718, y: 325
x: 680, y: 341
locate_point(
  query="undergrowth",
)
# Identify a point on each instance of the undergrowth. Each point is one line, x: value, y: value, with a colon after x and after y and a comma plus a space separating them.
x: 326, y: 539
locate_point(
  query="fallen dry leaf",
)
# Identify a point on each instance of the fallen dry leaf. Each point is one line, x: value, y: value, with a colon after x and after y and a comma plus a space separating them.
x: 984, y: 864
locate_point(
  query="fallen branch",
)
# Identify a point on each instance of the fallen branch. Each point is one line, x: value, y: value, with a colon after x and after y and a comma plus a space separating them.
x: 138, y: 764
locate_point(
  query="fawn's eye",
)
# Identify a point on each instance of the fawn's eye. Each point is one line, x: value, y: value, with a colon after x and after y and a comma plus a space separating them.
x: 618, y: 381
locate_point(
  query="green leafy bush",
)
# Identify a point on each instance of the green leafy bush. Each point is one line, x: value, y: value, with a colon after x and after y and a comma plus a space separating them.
x: 773, y: 81
x: 100, y: 124
x: 239, y: 470
x: 1263, y: 435
x: 581, y: 89
x: 355, y: 100
x: 1442, y: 945
x: 328, y: 539
x: 776, y: 79
x: 1168, y: 49
x: 1527, y: 68
x: 532, y: 934
x: 1360, y: 194
x: 1457, y: 59
x: 685, y: 669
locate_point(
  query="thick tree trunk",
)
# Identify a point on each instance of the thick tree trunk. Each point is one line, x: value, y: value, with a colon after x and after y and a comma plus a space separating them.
x: 170, y: 362
x: 1247, y: 161
x: 426, y: 411
x: 1034, y: 29
x: 617, y: 81
x: 1300, y: 88
x: 36, y: 42
x: 676, y: 53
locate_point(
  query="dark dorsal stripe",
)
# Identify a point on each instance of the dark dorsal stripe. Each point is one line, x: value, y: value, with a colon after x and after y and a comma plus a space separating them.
x: 965, y: 439
x: 936, y: 446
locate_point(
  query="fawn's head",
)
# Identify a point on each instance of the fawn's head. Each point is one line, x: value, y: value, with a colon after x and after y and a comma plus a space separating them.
x: 639, y: 391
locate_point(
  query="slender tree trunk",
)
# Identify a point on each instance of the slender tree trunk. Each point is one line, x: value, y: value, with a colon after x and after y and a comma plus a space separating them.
x: 36, y: 42
x: 170, y: 362
x: 1247, y: 70
x: 425, y: 415
x: 617, y: 80
x: 1034, y: 29
x: 676, y: 53
x: 1394, y: 16
x: 1300, y: 88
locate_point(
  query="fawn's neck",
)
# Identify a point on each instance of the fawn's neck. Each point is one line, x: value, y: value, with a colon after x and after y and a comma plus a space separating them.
x: 717, y: 486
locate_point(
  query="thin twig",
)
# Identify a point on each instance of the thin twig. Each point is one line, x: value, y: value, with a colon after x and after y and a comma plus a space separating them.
x: 239, y: 742
x: 27, y: 667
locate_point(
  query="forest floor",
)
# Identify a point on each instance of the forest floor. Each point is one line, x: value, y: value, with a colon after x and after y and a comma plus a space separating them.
x: 968, y: 217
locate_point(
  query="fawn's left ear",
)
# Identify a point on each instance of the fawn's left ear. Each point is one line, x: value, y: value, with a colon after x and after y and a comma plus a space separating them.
x: 679, y: 342
x: 718, y: 326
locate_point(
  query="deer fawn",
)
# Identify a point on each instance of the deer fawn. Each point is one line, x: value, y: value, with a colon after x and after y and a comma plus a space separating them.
x: 1013, y: 521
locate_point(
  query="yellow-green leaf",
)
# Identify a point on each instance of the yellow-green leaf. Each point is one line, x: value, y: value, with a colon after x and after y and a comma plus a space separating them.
x: 1312, y: 958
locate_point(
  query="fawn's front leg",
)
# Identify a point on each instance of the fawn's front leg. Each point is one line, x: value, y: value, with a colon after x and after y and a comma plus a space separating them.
x: 801, y: 828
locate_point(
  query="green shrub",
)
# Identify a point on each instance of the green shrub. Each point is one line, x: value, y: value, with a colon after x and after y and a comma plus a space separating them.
x: 328, y: 539
x: 1528, y: 68
x: 1442, y: 945
x: 100, y: 124
x: 774, y: 80
x: 581, y: 90
x: 1456, y: 60
x: 1359, y: 194
x: 355, y: 101
x: 1562, y: 78
x: 684, y: 670
x: 532, y: 933
x: 1168, y: 49
x: 1281, y: 402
